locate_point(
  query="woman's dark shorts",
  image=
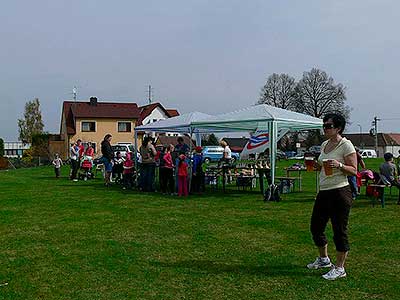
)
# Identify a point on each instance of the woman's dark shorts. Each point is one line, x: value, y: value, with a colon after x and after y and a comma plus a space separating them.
x: 334, y: 205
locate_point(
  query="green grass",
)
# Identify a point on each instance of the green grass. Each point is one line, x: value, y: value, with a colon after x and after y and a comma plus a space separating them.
x: 65, y: 240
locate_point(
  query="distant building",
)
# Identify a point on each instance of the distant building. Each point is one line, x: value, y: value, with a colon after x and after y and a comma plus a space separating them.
x: 91, y: 120
x: 15, y: 149
x: 163, y: 140
x: 154, y: 112
x: 387, y: 142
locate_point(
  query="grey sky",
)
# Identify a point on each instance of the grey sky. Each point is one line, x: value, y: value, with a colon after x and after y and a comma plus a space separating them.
x: 209, y: 56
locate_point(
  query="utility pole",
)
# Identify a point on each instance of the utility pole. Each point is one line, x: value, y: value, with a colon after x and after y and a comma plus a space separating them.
x: 149, y: 94
x: 375, y: 124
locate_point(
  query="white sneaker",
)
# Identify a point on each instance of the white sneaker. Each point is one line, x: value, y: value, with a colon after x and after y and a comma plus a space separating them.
x: 75, y: 180
x: 320, y: 263
x: 334, y: 273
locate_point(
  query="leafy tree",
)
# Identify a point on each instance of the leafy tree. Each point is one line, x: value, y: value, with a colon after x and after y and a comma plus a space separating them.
x: 32, y: 122
x: 40, y: 145
x: 279, y: 91
x: 1, y: 147
x: 209, y: 140
x: 317, y: 94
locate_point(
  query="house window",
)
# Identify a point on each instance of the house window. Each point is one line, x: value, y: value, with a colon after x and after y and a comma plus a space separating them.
x: 88, y: 126
x: 124, y: 126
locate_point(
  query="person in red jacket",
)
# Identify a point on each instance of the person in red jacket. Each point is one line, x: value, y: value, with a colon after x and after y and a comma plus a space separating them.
x: 81, y: 148
x: 89, y: 150
x: 182, y: 176
x: 167, y: 182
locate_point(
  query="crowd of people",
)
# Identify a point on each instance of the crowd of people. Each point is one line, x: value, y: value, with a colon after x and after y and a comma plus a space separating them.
x: 181, y: 171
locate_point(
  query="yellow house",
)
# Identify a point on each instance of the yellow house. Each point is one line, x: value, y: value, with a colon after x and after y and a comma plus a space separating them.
x: 91, y: 121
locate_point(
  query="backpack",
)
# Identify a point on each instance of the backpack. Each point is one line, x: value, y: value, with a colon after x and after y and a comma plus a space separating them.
x: 272, y: 193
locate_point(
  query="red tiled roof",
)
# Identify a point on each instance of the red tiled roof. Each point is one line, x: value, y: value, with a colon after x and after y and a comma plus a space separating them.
x: 395, y: 137
x: 146, y: 110
x: 384, y: 139
x: 172, y: 112
x: 115, y: 110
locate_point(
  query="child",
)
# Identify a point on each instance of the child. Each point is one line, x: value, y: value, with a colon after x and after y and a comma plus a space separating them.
x: 118, y: 167
x: 167, y: 183
x: 182, y: 176
x: 198, y: 174
x: 128, y: 172
x: 57, y: 163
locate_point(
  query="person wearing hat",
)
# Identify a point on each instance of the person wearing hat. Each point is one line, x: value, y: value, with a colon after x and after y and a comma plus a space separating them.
x: 388, y: 170
x: 198, y: 174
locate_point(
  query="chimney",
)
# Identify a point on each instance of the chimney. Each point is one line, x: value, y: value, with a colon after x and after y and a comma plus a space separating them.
x: 93, y: 101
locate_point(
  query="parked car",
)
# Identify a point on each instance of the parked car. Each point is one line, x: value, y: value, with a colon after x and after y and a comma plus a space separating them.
x: 280, y: 154
x: 290, y: 153
x: 215, y: 153
x: 299, y: 156
x: 124, y: 148
x: 368, y: 153
x: 315, y: 150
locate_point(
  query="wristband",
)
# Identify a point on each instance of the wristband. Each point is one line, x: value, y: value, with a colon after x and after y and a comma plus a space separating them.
x: 340, y: 165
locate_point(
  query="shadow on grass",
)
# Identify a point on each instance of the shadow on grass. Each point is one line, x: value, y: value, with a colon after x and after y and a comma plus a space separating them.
x: 74, y: 185
x: 213, y: 267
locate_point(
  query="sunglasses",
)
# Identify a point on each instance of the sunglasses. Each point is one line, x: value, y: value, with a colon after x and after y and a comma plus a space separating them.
x: 328, y: 126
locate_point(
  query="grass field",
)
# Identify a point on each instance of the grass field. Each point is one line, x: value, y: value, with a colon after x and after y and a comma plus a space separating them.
x: 66, y: 240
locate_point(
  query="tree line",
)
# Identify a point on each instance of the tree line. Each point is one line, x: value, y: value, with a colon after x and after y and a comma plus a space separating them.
x: 315, y: 94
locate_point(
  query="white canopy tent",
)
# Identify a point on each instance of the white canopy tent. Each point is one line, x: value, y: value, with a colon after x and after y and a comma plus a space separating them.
x: 182, y: 124
x: 250, y: 119
x: 261, y: 117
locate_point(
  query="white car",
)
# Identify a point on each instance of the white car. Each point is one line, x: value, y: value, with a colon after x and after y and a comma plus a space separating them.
x: 123, y: 149
x: 297, y: 156
x: 368, y: 153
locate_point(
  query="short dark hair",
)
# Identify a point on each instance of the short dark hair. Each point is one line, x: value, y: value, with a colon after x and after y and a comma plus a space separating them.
x: 337, y: 120
x: 388, y: 156
x: 180, y: 139
x: 146, y: 140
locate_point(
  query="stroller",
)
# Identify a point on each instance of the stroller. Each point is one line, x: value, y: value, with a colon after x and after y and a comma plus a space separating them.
x: 85, y: 171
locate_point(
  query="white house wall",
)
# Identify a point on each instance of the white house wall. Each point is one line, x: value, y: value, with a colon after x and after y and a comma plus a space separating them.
x: 157, y: 114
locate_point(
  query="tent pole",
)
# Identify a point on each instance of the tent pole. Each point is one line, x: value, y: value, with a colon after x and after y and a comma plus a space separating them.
x: 136, y: 161
x: 272, y: 147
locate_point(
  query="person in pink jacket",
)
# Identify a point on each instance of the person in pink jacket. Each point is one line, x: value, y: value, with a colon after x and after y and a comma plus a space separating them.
x: 167, y: 183
x: 182, y: 176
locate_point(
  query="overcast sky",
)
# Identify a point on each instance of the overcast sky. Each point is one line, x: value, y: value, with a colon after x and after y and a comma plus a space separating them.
x: 199, y: 55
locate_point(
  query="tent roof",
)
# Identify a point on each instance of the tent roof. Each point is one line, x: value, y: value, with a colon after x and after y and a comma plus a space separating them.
x: 182, y: 123
x: 256, y: 117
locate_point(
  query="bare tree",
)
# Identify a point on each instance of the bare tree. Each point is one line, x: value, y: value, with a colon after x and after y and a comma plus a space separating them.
x: 317, y: 94
x: 278, y: 91
x: 32, y: 122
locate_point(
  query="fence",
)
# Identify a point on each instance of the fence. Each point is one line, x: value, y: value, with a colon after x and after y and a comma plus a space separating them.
x: 17, y: 163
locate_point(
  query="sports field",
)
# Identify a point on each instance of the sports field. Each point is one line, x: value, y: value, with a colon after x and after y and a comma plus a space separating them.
x: 79, y: 240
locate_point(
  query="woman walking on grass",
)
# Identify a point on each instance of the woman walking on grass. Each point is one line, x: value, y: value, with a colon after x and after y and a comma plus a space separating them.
x: 334, y: 198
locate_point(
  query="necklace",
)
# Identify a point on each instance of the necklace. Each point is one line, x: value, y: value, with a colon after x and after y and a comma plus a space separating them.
x: 331, y: 145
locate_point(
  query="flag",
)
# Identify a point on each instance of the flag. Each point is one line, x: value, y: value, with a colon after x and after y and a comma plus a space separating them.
x: 259, y: 142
